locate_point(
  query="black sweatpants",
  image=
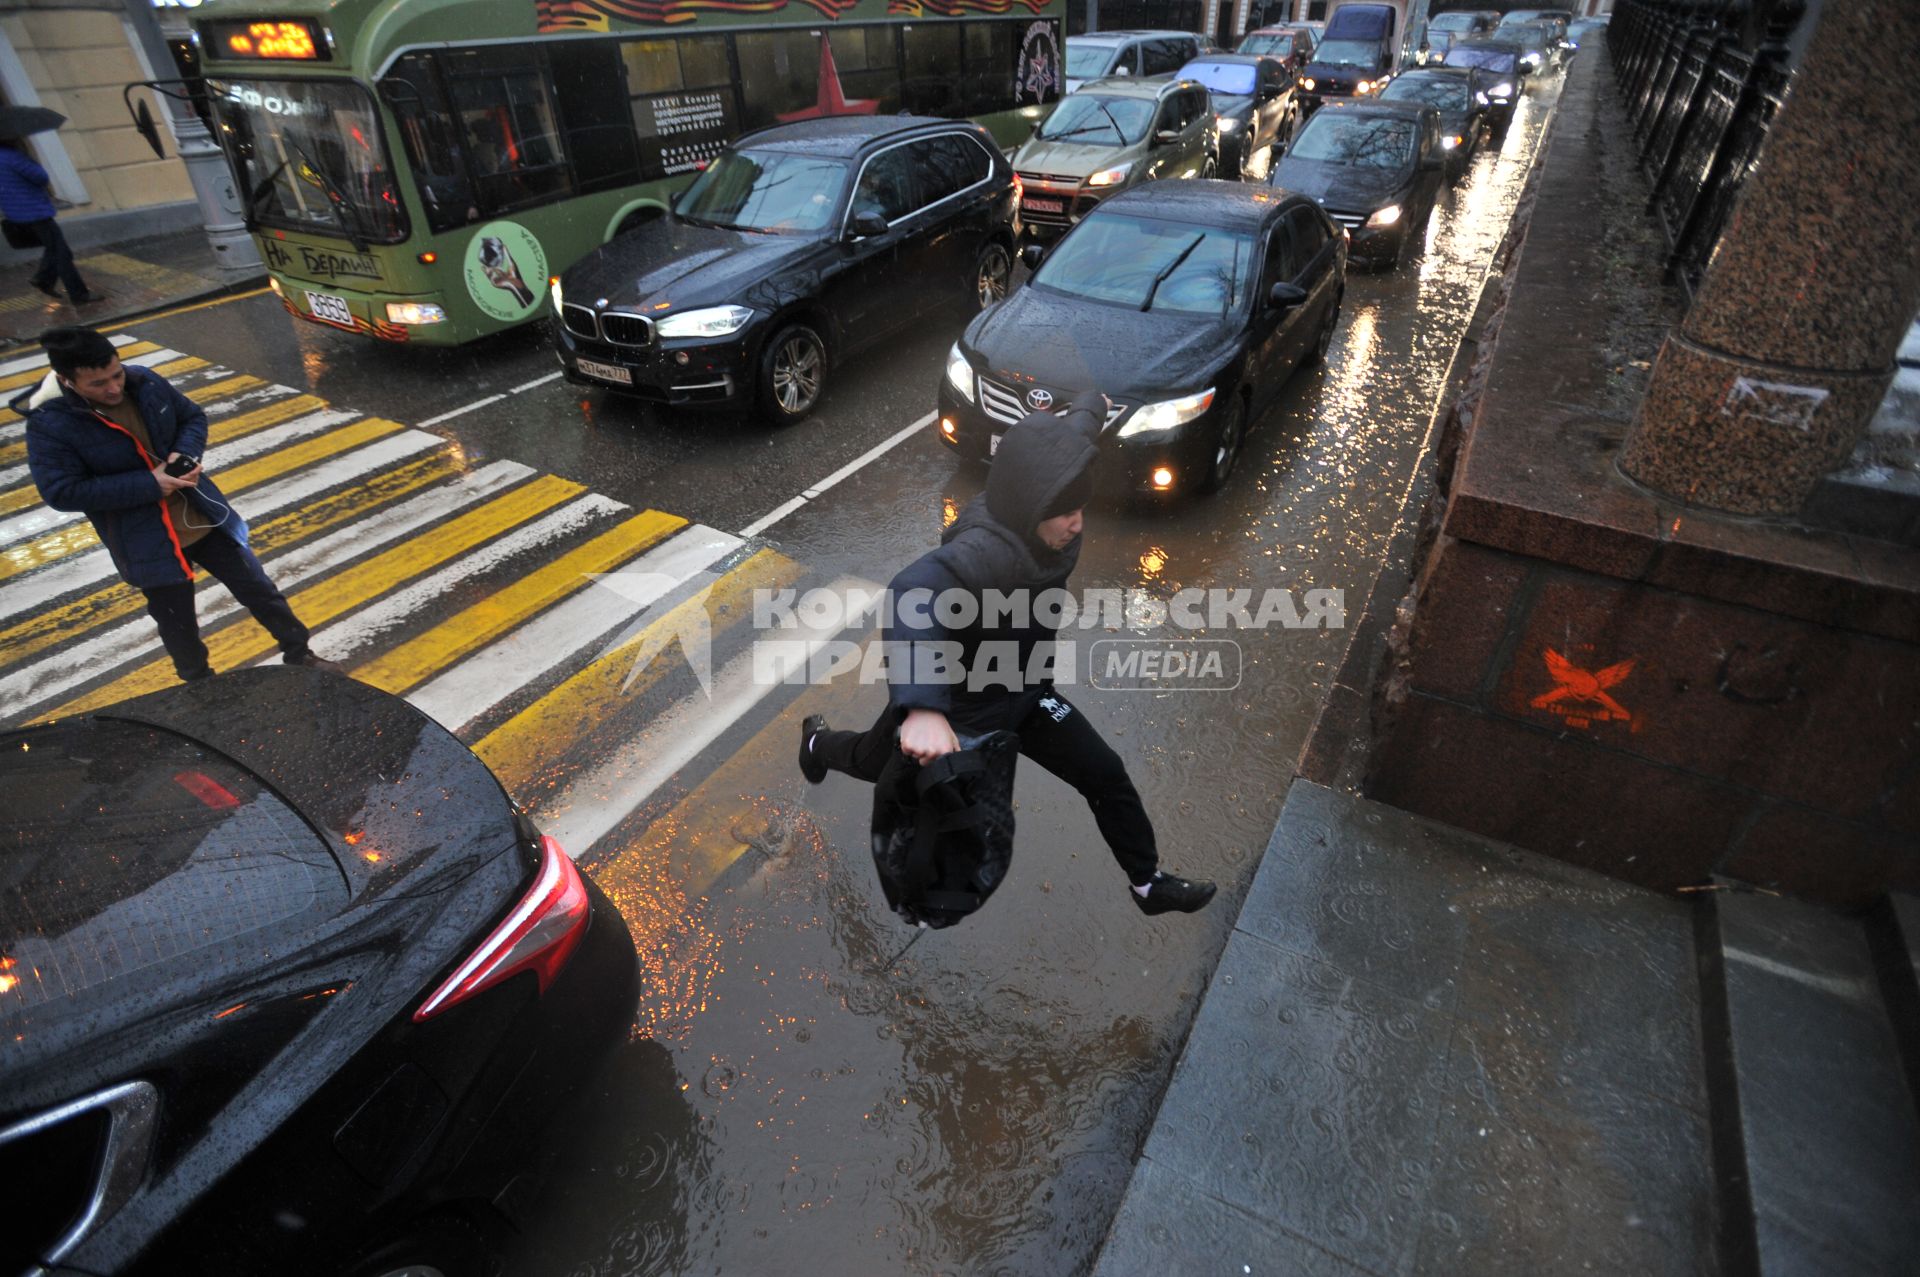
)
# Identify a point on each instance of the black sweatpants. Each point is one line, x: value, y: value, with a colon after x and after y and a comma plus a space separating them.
x: 1055, y: 735
x: 235, y: 567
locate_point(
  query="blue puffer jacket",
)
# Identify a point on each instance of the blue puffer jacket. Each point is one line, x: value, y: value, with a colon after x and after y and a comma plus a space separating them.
x: 23, y: 187
x: 82, y: 461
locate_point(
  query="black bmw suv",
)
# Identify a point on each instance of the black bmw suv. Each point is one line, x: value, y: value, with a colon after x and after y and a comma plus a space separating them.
x: 798, y: 245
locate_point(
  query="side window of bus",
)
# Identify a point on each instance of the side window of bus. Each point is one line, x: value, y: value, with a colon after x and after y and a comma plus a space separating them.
x: 683, y: 102
x: 432, y: 140
x: 780, y: 74
x: 992, y: 65
x: 590, y: 88
x: 933, y: 54
x: 511, y: 134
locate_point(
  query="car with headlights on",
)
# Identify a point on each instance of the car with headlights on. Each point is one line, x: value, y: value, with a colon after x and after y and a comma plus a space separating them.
x: 799, y: 245
x: 1376, y: 167
x: 1253, y: 105
x: 1107, y: 137
x: 1459, y: 95
x: 1188, y: 304
x: 1502, y: 75
x: 287, y: 984
x: 1540, y: 48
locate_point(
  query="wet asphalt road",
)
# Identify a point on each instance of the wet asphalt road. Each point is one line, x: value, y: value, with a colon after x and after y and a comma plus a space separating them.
x: 797, y: 1101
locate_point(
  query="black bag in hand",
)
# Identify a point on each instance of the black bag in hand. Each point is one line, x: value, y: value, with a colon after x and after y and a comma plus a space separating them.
x: 943, y: 833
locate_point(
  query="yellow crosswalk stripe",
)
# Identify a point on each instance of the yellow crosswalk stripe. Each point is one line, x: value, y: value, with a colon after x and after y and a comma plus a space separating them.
x: 231, y: 428
x: 189, y: 363
x: 199, y: 394
x: 243, y: 640
x: 424, y: 655
x: 80, y: 536
x: 13, y: 381
x: 526, y: 748
x: 23, y: 639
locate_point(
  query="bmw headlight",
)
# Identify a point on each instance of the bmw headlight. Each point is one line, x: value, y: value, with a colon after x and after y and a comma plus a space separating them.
x: 1386, y: 216
x: 553, y: 290
x: 713, y: 321
x: 1227, y: 123
x: 1156, y: 417
x: 960, y: 373
x: 1108, y: 177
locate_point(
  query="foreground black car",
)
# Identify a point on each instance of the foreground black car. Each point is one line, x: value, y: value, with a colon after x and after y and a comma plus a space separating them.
x: 800, y: 244
x: 1187, y: 303
x: 286, y: 986
x: 1376, y: 167
x: 1459, y: 96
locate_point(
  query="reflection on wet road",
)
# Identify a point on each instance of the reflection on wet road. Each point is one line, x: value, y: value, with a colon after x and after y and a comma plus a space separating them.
x: 976, y: 1104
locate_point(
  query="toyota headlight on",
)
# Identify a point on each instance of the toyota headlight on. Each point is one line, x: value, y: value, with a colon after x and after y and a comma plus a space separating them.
x: 1386, y: 216
x: 1157, y: 417
x: 960, y: 373
x: 713, y: 321
x: 1108, y: 177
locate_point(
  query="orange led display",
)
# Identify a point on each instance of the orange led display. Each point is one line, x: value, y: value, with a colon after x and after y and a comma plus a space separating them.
x: 291, y: 41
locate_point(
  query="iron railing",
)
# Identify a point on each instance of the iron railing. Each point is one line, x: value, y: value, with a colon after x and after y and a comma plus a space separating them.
x: 1699, y: 105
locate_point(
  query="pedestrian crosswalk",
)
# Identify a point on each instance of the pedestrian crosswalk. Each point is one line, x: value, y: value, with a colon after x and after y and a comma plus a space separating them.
x: 508, y: 604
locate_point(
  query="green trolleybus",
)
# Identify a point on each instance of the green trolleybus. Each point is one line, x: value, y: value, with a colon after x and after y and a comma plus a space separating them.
x: 417, y: 170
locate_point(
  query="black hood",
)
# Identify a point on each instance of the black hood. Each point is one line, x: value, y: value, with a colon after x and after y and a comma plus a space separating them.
x: 1342, y: 186
x: 674, y: 261
x: 1069, y: 345
x: 992, y: 543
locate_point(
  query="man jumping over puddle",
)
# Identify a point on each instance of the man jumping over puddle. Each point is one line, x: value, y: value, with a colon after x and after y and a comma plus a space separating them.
x: 1022, y: 535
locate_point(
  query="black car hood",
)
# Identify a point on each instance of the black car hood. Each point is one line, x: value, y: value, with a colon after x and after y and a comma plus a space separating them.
x: 1069, y: 344
x: 671, y: 261
x: 1342, y: 186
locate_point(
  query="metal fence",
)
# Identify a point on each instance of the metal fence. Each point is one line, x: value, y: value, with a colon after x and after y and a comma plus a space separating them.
x: 1699, y: 105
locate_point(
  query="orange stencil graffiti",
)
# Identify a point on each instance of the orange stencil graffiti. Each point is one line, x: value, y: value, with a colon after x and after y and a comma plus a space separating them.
x: 1580, y: 696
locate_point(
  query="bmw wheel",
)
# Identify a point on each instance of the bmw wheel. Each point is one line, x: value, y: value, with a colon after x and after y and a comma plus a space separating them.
x: 991, y: 274
x: 793, y: 373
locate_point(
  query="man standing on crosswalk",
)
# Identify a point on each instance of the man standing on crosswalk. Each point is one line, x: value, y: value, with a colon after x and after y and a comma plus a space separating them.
x: 107, y: 440
x: 1022, y: 536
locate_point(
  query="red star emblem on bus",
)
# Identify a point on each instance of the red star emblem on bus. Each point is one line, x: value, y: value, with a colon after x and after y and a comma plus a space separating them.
x: 1581, y: 696
x: 831, y: 98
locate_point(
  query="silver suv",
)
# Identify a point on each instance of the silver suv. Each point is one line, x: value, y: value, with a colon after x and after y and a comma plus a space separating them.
x: 1136, y: 53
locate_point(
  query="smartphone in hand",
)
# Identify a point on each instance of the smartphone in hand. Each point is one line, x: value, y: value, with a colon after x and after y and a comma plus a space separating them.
x: 181, y: 466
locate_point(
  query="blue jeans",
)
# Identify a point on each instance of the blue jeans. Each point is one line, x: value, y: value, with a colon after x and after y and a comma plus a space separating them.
x: 234, y: 566
x: 56, y: 262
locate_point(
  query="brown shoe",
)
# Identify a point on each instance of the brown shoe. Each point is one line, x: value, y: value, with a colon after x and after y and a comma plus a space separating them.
x: 313, y: 662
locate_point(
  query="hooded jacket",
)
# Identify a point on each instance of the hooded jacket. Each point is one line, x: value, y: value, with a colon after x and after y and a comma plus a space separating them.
x: 82, y: 461
x: 992, y: 546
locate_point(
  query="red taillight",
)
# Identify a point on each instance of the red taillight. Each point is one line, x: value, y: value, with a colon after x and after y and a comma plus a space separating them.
x: 538, y: 936
x: 207, y: 790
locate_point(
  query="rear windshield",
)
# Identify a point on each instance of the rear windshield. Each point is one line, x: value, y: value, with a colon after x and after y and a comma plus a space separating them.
x: 1235, y: 79
x: 123, y: 847
x: 1491, y: 59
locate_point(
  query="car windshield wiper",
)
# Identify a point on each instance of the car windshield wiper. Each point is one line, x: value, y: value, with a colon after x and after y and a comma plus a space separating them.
x: 1117, y: 130
x: 1171, y: 267
x: 1085, y: 128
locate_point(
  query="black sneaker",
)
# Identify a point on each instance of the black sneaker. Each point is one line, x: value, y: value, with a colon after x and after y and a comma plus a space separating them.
x: 1169, y: 894
x: 48, y: 289
x: 812, y: 768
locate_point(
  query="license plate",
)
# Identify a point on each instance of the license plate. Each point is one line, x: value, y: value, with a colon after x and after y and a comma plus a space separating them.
x: 993, y: 444
x: 330, y: 308
x: 605, y: 372
x: 1043, y: 206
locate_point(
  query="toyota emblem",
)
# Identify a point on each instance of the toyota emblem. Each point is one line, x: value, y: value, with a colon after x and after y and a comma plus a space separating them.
x: 1040, y: 400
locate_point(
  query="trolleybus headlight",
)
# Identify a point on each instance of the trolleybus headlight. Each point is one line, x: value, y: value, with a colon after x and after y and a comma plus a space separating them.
x: 415, y: 313
x: 714, y: 321
x: 553, y: 291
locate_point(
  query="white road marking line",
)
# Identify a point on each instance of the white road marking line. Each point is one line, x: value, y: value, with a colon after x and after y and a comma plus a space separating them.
x: 537, y: 381
x: 44, y: 519
x: 669, y: 742
x: 39, y: 358
x: 81, y: 571
x: 340, y: 640
x: 866, y: 458
x: 460, y: 412
x: 153, y: 358
x: 67, y: 668
x: 481, y: 681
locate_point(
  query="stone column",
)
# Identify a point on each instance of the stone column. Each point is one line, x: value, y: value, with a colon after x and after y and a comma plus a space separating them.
x: 1789, y: 348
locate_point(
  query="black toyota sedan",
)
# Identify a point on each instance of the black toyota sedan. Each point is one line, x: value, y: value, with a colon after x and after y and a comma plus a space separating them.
x: 1376, y: 167
x: 287, y: 985
x: 1187, y: 303
x: 1459, y: 95
x: 800, y: 244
